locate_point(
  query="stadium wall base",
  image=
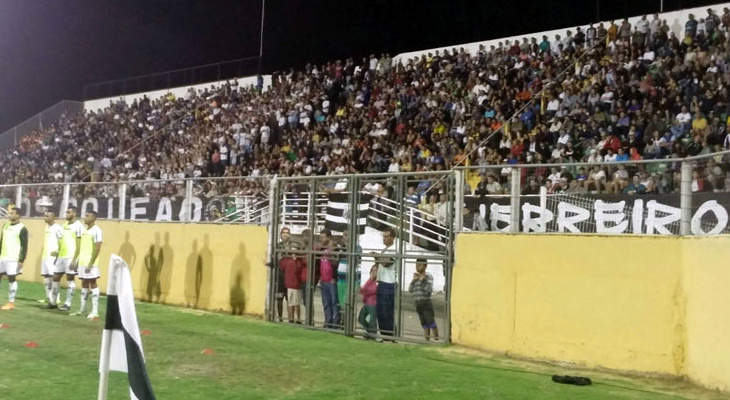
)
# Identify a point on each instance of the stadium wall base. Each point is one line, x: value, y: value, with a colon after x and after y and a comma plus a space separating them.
x: 203, y: 266
x: 646, y: 304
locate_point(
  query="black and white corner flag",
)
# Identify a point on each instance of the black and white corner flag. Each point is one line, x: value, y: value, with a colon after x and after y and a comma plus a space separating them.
x: 121, y: 344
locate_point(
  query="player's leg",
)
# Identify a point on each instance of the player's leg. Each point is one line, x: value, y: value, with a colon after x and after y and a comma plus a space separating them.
x: 84, y: 293
x: 65, y: 263
x: 1, y: 277
x: 59, y: 268
x: 55, y: 290
x: 94, y: 288
x: 47, y: 269
x: 11, y: 270
x: 3, y: 270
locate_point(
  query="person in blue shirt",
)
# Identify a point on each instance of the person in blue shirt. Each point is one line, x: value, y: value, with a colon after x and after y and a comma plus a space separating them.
x: 635, y: 187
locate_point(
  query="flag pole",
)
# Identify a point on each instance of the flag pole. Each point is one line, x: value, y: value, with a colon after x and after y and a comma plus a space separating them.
x: 106, y: 337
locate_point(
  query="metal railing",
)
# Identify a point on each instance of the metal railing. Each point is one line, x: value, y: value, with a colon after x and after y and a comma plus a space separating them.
x: 339, y: 219
x: 182, y: 77
x: 680, y: 196
x: 689, y: 196
x: 10, y: 138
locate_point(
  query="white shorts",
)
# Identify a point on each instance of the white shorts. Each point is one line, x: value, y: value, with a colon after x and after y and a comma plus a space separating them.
x: 9, y: 267
x: 92, y: 274
x: 48, y: 266
x: 293, y: 297
x: 63, y: 266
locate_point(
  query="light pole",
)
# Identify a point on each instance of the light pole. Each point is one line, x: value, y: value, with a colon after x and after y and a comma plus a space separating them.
x: 261, y: 35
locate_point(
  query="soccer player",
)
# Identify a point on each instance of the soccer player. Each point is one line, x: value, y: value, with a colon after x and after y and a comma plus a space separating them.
x: 88, y: 263
x: 51, y: 244
x: 13, y: 249
x: 68, y: 255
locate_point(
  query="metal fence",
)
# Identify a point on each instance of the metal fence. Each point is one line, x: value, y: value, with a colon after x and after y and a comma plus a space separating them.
x: 352, y: 222
x: 9, y: 139
x: 689, y: 196
x: 199, y: 74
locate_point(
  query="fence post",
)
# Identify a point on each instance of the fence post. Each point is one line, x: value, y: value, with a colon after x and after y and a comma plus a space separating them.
x: 122, y: 201
x: 19, y: 196
x: 459, y: 176
x: 514, y: 200
x: 410, y: 225
x: 64, y: 202
x: 189, y: 200
x: 271, y: 242
x: 685, y: 199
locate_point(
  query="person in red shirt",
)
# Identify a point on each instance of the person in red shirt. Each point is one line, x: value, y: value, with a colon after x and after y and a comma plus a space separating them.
x: 328, y: 280
x: 291, y: 266
x: 368, y: 316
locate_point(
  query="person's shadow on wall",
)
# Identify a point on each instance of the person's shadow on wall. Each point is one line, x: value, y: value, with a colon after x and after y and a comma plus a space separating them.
x: 240, y: 272
x: 127, y: 251
x: 166, y: 266
x: 151, y: 274
x: 192, y: 266
x: 199, y: 275
x: 204, y: 275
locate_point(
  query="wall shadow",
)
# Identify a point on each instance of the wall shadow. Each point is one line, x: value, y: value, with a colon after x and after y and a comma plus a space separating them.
x: 199, y: 275
x: 166, y: 265
x: 240, y: 273
x: 127, y: 251
x: 39, y: 262
x: 204, y: 275
x: 193, y: 264
x: 150, y: 278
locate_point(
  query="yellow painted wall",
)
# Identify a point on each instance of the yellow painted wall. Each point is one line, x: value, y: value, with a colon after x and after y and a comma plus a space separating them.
x: 707, y: 281
x: 214, y: 267
x: 598, y: 301
x: 633, y: 303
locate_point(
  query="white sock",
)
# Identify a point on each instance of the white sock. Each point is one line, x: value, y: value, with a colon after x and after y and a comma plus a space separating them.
x: 47, y: 281
x: 55, y: 292
x: 12, y: 291
x: 70, y: 293
x: 84, y: 296
x: 95, y: 301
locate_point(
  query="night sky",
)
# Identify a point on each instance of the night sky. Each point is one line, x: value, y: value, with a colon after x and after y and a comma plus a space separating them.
x: 50, y: 49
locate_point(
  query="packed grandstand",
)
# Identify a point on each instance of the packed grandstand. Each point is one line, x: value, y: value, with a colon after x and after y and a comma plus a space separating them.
x: 611, y: 92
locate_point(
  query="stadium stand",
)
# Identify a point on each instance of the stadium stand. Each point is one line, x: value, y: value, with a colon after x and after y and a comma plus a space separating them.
x: 610, y: 92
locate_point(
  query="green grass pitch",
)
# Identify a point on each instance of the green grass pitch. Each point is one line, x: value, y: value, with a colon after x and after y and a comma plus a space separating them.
x: 253, y: 359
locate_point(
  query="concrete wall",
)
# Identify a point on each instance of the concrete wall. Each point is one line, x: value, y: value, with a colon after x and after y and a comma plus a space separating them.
x: 214, y: 267
x: 100, y: 104
x: 707, y: 283
x: 675, y: 20
x: 631, y: 303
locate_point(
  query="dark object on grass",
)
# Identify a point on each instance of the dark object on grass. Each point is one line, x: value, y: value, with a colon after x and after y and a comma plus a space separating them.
x: 572, y: 380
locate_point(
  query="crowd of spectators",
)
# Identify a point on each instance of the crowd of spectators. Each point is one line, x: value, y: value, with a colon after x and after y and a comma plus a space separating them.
x: 613, y: 92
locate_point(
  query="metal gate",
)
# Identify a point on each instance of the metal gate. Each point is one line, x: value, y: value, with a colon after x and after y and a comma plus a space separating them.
x: 327, y: 233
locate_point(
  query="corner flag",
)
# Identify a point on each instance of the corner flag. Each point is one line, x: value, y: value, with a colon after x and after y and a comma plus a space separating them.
x: 121, y: 344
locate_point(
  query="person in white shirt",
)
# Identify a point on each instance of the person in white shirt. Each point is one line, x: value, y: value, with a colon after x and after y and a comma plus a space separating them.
x: 88, y: 265
x: 596, y: 179
x: 51, y: 244
x: 388, y: 269
x: 684, y: 117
